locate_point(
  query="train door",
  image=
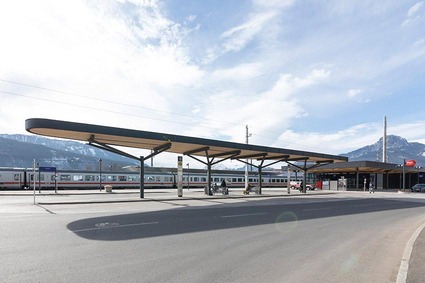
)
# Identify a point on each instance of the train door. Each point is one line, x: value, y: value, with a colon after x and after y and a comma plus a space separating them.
x: 17, y: 179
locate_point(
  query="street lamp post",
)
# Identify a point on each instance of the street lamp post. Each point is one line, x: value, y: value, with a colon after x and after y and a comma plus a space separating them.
x: 404, y: 174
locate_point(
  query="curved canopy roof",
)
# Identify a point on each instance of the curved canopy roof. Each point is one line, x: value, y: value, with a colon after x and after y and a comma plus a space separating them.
x: 112, y: 136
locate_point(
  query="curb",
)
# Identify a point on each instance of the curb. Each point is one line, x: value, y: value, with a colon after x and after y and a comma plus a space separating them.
x: 173, y: 199
x: 404, y: 266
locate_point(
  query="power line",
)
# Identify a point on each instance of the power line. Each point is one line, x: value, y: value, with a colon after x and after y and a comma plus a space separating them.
x: 126, y: 105
x: 99, y: 109
x: 115, y: 102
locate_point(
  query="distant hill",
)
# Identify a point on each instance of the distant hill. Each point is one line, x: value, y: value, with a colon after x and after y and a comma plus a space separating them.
x: 398, y: 149
x: 21, y: 150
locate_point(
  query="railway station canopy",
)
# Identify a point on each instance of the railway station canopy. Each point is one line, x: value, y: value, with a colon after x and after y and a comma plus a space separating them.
x: 185, y: 145
x: 213, y: 151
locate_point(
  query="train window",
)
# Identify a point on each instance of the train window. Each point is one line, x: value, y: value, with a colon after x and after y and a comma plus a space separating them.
x: 234, y: 180
x: 112, y: 178
x: 203, y: 179
x: 240, y: 180
x: 37, y: 177
x: 32, y: 177
x: 196, y: 179
x: 132, y: 178
x: 149, y: 178
x: 89, y: 178
x: 65, y: 177
x: 77, y: 177
x: 122, y: 178
x: 16, y: 177
x: 216, y: 179
x: 158, y: 179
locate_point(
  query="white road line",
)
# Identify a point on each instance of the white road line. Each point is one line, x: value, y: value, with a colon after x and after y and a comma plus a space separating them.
x: 363, y: 205
x: 114, y: 226
x: 313, y: 209
x: 243, y: 215
x: 404, y: 266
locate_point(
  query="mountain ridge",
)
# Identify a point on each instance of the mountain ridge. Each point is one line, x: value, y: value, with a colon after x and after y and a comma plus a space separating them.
x: 398, y: 149
x: 17, y: 150
x: 20, y: 150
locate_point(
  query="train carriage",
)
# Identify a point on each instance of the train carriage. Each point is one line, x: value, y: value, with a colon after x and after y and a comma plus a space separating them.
x: 21, y: 178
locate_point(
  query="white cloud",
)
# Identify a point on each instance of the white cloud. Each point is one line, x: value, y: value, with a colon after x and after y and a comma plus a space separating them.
x: 270, y: 69
x: 357, y: 95
x: 239, y: 72
x: 96, y: 51
x: 414, y: 9
x: 339, y: 142
x: 353, y: 92
x: 269, y: 112
x: 273, y: 4
x: 237, y: 37
x: 411, y: 18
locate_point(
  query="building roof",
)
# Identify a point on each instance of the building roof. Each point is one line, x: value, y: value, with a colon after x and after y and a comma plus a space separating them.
x: 370, y: 167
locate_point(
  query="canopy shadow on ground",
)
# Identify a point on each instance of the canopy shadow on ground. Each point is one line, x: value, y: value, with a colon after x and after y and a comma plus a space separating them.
x: 191, y: 220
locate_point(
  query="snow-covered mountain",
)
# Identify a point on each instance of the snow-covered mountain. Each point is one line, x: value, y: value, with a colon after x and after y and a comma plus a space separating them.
x: 398, y: 149
x: 21, y: 150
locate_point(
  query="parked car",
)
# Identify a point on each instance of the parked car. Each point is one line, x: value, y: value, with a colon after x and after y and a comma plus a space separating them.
x: 297, y: 185
x: 418, y: 188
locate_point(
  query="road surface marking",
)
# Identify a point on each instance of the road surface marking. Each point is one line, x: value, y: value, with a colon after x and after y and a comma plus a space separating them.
x: 243, y: 215
x: 313, y: 209
x: 114, y: 225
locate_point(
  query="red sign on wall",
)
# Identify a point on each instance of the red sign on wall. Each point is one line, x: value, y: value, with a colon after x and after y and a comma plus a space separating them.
x: 410, y: 163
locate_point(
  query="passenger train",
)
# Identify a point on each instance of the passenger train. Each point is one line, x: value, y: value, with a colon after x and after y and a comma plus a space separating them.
x: 22, y: 178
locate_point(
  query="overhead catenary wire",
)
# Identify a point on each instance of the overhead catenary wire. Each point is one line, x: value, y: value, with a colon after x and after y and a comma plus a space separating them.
x: 96, y: 108
x: 126, y: 105
x: 114, y: 102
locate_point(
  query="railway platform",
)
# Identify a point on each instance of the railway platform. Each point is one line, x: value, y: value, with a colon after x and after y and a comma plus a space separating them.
x: 132, y: 195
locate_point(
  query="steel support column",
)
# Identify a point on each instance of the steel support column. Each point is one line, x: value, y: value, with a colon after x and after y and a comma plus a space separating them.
x: 142, y: 177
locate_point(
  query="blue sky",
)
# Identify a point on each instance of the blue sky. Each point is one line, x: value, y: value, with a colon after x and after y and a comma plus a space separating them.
x: 307, y: 75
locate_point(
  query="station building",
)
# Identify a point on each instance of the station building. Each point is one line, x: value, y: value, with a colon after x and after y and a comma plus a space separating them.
x: 356, y: 175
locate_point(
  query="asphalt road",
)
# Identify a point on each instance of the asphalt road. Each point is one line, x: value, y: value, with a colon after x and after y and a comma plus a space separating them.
x: 292, y: 239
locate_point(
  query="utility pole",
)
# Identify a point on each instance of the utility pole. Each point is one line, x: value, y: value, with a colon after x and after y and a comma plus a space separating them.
x: 247, y: 135
x: 384, y: 142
